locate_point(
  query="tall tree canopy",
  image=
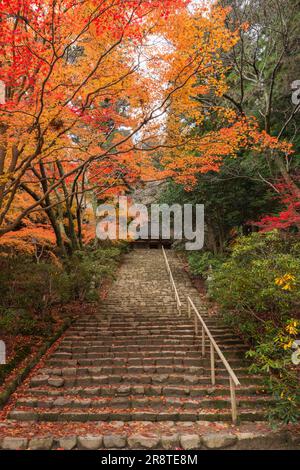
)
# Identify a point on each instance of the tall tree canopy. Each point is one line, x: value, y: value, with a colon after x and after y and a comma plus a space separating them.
x: 100, y: 94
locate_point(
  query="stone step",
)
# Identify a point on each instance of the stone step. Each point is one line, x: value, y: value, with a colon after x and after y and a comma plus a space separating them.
x: 141, y: 360
x: 119, y: 369
x: 153, y: 435
x: 158, y: 329
x: 167, y: 345
x: 62, y: 370
x: 104, y: 335
x: 140, y: 332
x: 149, y: 414
x: 172, y: 379
x: 168, y: 325
x: 92, y: 344
x: 146, y: 351
x: 135, y: 369
x: 177, y: 355
x: 154, y: 330
x: 151, y: 330
x: 133, y: 402
x: 146, y: 390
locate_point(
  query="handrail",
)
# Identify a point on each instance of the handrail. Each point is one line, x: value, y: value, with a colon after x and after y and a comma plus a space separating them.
x: 233, y: 380
x: 178, y: 302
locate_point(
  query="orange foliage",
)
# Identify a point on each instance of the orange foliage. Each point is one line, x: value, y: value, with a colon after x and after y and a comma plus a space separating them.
x: 117, y: 96
x: 27, y: 240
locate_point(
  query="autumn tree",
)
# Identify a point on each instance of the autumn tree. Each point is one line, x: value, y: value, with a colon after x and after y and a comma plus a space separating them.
x: 230, y: 109
x: 77, y: 100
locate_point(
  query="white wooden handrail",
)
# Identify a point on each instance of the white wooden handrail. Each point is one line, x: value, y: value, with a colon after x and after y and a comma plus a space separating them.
x: 178, y: 302
x: 233, y: 380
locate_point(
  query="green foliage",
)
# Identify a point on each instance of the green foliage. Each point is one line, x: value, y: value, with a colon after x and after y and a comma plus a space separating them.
x: 32, y: 287
x: 244, y: 324
x: 20, y: 322
x: 201, y: 261
x: 86, y: 269
x: 272, y: 357
x: 232, y: 197
x: 26, y: 285
x: 21, y: 353
x: 246, y: 282
x: 258, y: 290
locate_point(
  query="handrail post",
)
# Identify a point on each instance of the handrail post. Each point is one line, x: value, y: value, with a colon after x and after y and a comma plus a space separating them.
x: 233, y: 401
x: 212, y: 364
x: 189, y: 308
x: 196, y: 325
x: 173, y: 285
x: 203, y: 342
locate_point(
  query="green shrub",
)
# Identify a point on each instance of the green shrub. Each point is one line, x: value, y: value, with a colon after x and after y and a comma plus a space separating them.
x: 21, y: 322
x: 247, y: 281
x: 89, y: 269
x: 258, y: 291
x: 201, y: 261
x: 244, y: 324
x: 29, y: 286
x: 35, y: 287
x: 272, y: 357
x: 21, y: 353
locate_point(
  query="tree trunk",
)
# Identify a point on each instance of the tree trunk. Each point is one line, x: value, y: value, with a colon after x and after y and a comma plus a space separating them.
x: 72, y: 231
x: 211, y: 238
x: 52, y: 219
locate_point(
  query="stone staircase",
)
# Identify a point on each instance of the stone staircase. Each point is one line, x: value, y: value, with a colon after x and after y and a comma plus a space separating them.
x: 137, y: 360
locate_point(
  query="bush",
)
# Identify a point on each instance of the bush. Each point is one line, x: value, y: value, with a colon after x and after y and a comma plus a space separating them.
x: 87, y: 270
x: 200, y: 262
x: 21, y: 353
x: 259, y: 278
x: 258, y: 291
x: 272, y: 357
x: 20, y: 322
x: 29, y: 286
x: 17, y: 322
x: 35, y: 287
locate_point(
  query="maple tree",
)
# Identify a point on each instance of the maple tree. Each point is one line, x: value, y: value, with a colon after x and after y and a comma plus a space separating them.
x: 289, y: 216
x: 76, y: 98
x: 133, y: 90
